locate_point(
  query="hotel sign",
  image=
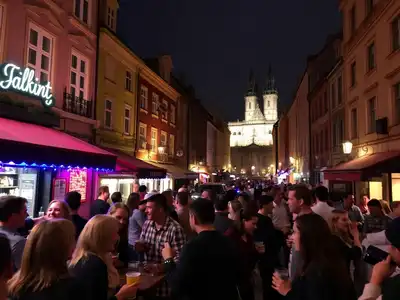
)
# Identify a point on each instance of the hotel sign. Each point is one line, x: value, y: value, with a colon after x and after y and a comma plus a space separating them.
x: 23, y: 80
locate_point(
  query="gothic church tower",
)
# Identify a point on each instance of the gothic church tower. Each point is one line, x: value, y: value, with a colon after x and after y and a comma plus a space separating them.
x: 251, y: 99
x: 270, y: 96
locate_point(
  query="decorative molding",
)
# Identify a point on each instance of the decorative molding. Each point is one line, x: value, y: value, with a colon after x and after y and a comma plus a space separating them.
x: 371, y: 87
x: 39, y: 10
x: 82, y: 40
x: 82, y: 27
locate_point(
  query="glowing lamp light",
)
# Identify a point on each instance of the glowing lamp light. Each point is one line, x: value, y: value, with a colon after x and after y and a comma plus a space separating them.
x: 347, y: 147
x: 45, y: 166
x: 253, y: 168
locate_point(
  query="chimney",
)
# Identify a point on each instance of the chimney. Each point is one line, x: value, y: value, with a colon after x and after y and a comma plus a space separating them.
x: 165, y: 63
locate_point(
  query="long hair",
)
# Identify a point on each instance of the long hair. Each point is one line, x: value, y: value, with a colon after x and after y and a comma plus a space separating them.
x: 344, y: 235
x: 318, y: 249
x: 65, y: 209
x: 44, y: 260
x: 245, y: 215
x: 94, y: 239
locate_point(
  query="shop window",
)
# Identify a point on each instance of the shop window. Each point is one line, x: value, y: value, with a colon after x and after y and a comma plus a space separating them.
x: 81, y: 10
x: 40, y: 53
x: 128, y: 81
x: 171, y: 145
x: 144, y: 95
x: 163, y: 139
x: 154, y: 145
x: 108, y: 114
x: 79, y: 76
x: 124, y: 186
x: 127, y: 120
x: 396, y: 186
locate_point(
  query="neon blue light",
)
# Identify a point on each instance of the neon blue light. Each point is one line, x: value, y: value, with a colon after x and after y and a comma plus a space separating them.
x: 53, y: 166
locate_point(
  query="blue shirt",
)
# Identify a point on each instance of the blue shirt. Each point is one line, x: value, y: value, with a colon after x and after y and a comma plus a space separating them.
x: 136, y: 222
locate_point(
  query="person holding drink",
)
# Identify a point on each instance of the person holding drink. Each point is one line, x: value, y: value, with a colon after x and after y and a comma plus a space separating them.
x: 324, y: 274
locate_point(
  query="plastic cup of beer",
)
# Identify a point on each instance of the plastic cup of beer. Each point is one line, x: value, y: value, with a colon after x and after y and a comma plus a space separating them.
x: 132, y: 277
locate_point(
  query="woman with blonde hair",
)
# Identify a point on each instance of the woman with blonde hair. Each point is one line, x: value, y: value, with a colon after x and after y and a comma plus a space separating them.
x: 58, y: 209
x: 347, y: 236
x: 44, y: 271
x: 92, y: 263
x: 234, y: 208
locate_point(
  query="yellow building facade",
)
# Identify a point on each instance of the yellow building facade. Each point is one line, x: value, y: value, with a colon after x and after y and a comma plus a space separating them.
x: 116, y: 105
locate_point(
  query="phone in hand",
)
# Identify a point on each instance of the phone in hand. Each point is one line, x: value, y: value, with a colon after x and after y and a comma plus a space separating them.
x: 374, y: 255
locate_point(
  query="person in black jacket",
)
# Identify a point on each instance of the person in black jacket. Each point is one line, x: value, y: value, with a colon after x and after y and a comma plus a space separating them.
x: 208, y: 264
x: 44, y: 273
x: 324, y: 275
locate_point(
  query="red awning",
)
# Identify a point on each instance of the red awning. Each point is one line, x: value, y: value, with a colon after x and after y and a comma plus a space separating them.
x: 29, y: 143
x: 359, y: 168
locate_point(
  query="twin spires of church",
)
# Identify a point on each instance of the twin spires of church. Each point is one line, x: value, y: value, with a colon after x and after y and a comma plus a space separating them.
x: 270, y: 87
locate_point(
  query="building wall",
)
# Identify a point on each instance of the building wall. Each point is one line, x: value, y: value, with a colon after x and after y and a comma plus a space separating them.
x: 244, y: 158
x: 246, y: 133
x: 379, y: 83
x: 223, y: 157
x: 148, y: 118
x: 198, y: 117
x: 211, y: 146
x: 67, y: 35
x: 283, y: 142
x: 117, y: 64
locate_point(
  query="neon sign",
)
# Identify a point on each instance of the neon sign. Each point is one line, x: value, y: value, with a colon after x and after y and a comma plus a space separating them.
x: 23, y: 80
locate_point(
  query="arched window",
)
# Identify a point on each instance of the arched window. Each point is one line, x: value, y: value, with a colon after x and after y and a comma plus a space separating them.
x: 249, y: 105
x: 268, y: 104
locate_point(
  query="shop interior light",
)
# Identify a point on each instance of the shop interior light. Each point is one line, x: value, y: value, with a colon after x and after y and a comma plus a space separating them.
x: 52, y: 166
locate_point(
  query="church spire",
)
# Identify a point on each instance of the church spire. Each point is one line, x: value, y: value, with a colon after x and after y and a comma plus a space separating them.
x: 252, y: 86
x: 270, y: 87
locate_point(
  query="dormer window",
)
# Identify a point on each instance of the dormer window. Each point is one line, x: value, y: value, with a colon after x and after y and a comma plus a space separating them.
x: 111, y: 18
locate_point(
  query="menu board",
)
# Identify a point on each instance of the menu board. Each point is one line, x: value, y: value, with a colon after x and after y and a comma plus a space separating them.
x: 59, y: 188
x: 78, y: 182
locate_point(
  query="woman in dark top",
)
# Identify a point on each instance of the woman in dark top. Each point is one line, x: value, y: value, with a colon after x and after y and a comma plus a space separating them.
x: 242, y: 236
x: 120, y: 212
x: 347, y: 237
x: 92, y: 263
x: 324, y: 275
x: 44, y: 273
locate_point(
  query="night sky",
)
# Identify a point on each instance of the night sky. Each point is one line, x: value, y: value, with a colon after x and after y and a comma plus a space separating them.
x: 214, y: 43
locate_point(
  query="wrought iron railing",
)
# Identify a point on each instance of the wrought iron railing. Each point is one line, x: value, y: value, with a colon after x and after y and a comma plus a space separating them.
x: 78, y: 105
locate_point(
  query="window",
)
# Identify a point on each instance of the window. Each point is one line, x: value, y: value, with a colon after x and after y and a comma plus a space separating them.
x: 268, y: 104
x: 164, y: 109
x: 128, y: 81
x: 81, y: 10
x: 40, y: 53
x: 144, y: 92
x: 249, y: 105
x: 371, y: 115
x: 154, y: 140
x: 369, y: 6
x: 396, y: 33
x: 396, y: 90
x: 354, y: 123
x: 339, y: 90
x: 353, y: 77
x: 171, y: 145
x: 353, y: 19
x: 341, y: 131
x: 127, y: 119
x: 154, y: 104
x: 79, y: 76
x: 142, y: 136
x: 333, y: 94
x: 172, y: 114
x: 326, y: 104
x: 334, y: 136
x: 163, y: 139
x: 111, y: 18
x: 108, y: 114
x: 371, y: 57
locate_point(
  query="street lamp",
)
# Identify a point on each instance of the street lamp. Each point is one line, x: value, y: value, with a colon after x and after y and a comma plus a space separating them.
x: 253, y: 168
x: 347, y: 147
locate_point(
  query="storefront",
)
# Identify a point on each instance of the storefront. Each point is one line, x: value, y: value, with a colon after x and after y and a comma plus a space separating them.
x: 131, y: 170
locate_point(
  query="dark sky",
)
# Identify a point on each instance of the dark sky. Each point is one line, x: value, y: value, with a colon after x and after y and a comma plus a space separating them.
x: 216, y: 42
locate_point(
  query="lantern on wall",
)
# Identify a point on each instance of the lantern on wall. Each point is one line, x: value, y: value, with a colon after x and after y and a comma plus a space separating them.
x: 347, y: 147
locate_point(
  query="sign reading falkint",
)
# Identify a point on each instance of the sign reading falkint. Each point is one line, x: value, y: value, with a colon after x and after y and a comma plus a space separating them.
x: 23, y: 80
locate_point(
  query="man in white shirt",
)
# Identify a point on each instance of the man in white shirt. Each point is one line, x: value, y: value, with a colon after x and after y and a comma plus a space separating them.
x: 321, y: 207
x: 280, y: 212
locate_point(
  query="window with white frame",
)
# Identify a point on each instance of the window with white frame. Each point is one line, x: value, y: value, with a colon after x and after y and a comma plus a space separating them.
x: 172, y: 114
x: 81, y: 10
x: 171, y: 145
x: 153, y: 141
x: 40, y: 52
x: 127, y: 119
x: 79, y: 76
x: 111, y: 18
x: 154, y: 104
x: 128, y: 81
x: 163, y: 139
x: 144, y: 95
x: 142, y: 136
x: 164, y: 111
x: 108, y: 113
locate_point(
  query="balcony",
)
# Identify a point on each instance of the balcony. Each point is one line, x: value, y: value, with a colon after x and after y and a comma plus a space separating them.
x: 78, y: 106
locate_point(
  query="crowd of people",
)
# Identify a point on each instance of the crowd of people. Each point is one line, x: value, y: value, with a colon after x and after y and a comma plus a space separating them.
x: 259, y: 241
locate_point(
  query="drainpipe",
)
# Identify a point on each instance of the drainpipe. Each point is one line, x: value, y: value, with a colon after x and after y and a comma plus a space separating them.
x: 96, y: 82
x: 136, y: 148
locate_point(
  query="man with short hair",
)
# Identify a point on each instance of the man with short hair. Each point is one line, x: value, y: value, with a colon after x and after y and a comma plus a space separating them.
x: 182, y: 210
x: 12, y: 217
x: 208, y: 265
x: 100, y: 205
x: 156, y: 231
x: 321, y: 207
x: 222, y: 222
x: 73, y: 199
